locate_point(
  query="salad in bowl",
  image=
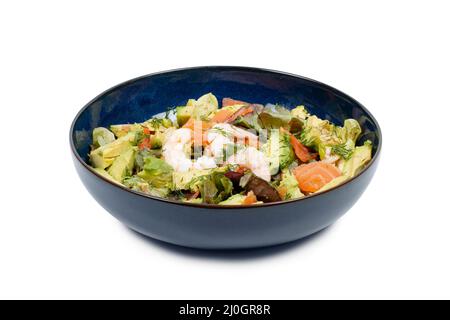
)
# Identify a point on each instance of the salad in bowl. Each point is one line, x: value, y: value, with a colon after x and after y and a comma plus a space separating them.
x: 230, y: 153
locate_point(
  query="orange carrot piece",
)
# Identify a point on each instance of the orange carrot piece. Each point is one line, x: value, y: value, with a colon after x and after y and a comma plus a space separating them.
x: 145, y: 144
x: 146, y: 131
x: 282, y: 191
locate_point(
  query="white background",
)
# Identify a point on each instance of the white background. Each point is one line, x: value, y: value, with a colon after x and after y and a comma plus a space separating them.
x: 393, y: 56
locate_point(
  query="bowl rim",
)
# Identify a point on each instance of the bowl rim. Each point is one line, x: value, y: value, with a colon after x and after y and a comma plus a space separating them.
x: 217, y: 206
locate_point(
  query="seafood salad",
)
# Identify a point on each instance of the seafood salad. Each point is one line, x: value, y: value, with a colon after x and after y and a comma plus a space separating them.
x: 239, y: 153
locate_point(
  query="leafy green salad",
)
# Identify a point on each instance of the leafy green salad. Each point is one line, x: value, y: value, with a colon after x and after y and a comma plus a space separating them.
x: 241, y: 153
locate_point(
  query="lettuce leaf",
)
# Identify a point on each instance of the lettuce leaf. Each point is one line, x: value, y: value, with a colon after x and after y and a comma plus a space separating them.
x: 138, y: 184
x: 328, y: 139
x: 288, y: 187
x: 157, y: 173
x: 351, y: 167
x: 214, y: 188
x: 274, y: 117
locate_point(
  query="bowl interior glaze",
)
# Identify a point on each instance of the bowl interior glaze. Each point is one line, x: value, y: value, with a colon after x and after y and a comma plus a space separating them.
x: 139, y: 99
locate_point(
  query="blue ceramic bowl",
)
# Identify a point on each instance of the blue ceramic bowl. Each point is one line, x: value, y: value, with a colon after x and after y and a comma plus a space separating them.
x: 213, y: 226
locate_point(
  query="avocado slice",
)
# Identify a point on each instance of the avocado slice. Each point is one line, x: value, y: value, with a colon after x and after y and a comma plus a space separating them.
x: 236, y: 199
x: 104, y: 156
x: 116, y: 149
x: 102, y: 136
x: 121, y: 130
x: 98, y: 161
x: 105, y: 174
x: 333, y: 183
x: 197, y: 200
x: 122, y: 165
x: 184, y: 114
x: 361, y: 156
x: 191, y: 103
x: 205, y: 106
x: 157, y: 140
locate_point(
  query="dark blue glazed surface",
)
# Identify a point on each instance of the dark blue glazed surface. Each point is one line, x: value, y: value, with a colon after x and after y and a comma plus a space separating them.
x: 213, y: 227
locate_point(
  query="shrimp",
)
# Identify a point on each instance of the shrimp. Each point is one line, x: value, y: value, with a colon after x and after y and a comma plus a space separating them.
x: 223, y: 134
x: 244, y: 136
x: 176, y: 152
x: 218, y: 137
x: 253, y: 159
x: 204, y: 162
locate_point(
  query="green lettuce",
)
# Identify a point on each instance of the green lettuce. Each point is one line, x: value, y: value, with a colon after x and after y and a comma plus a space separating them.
x: 157, y: 173
x: 348, y: 134
x: 144, y: 154
x: 138, y: 184
x: 328, y: 139
x: 352, y: 166
x: 300, y: 112
x: 186, y: 180
x: 361, y: 156
x: 251, y: 120
x: 236, y: 199
x: 289, y: 186
x: 213, y: 188
x: 274, y: 117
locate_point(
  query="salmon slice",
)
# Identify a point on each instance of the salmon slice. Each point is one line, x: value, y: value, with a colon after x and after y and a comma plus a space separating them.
x: 222, y: 115
x: 226, y: 115
x: 313, y: 176
x: 240, y: 113
x: 226, y: 102
x: 300, y: 150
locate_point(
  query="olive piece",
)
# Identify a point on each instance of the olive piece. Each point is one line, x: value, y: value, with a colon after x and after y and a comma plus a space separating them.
x: 262, y: 189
